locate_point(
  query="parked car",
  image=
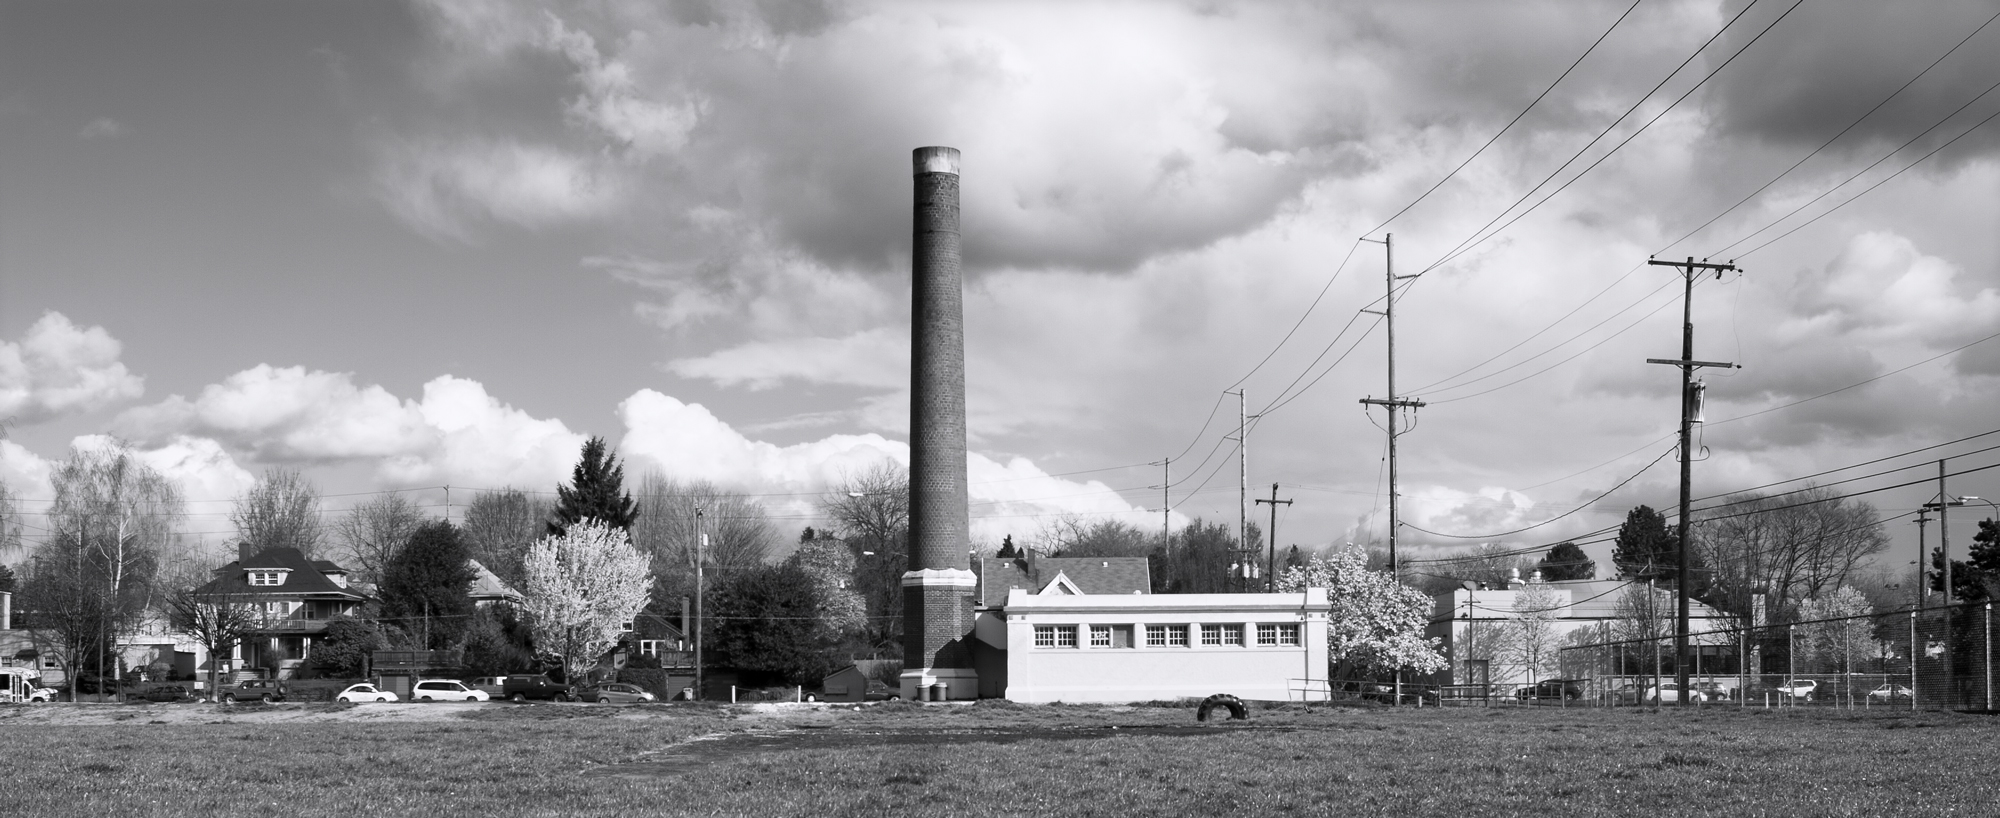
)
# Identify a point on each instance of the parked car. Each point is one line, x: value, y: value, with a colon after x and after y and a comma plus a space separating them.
x: 1371, y: 691
x: 445, y: 690
x: 1891, y: 693
x: 1715, y: 691
x: 615, y: 693
x: 262, y: 690
x: 365, y: 693
x: 1671, y: 692
x: 170, y: 694
x: 1551, y: 689
x: 495, y: 687
x: 1627, y: 693
x: 523, y: 687
x: 1801, y: 689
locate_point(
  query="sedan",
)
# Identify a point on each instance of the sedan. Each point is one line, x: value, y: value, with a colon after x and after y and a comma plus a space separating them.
x: 365, y: 693
x: 1891, y: 692
x: 616, y: 692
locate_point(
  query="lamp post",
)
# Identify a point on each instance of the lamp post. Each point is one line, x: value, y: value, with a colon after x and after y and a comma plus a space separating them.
x: 700, y: 539
x: 1988, y: 610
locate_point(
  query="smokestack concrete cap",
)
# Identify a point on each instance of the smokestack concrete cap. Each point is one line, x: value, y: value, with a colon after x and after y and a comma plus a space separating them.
x: 936, y: 160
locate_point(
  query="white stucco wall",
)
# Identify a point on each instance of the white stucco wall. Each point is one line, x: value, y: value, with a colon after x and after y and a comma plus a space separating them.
x: 1142, y: 673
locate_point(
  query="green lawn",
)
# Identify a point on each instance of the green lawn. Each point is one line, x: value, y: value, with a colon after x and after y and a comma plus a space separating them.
x: 990, y: 759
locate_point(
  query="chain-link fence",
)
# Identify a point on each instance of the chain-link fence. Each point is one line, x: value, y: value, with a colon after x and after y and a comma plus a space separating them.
x: 1936, y: 658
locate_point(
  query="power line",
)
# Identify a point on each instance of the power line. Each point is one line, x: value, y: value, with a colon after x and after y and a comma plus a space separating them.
x: 1593, y: 501
x: 1871, y: 188
x: 1475, y: 239
x: 1836, y: 137
x: 1510, y: 123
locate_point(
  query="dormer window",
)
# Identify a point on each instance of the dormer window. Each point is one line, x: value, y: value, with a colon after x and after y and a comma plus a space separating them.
x: 267, y: 577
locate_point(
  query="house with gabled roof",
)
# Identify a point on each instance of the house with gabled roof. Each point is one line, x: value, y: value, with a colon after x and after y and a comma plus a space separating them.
x: 488, y: 589
x: 294, y: 597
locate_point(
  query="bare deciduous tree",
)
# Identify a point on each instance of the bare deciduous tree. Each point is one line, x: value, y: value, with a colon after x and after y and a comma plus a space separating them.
x: 1532, y: 640
x: 740, y: 534
x: 1071, y: 535
x: 212, y: 613
x: 1791, y: 547
x: 374, y: 531
x: 111, y: 517
x: 280, y: 511
x: 499, y: 527
x: 870, y: 511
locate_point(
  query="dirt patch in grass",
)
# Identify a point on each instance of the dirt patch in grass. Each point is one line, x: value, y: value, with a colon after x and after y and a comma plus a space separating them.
x: 721, y: 747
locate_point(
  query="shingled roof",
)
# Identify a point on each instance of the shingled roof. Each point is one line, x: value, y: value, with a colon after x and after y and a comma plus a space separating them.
x: 1092, y: 575
x: 303, y: 577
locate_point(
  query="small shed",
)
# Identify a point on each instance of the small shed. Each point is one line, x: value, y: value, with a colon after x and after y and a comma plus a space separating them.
x: 847, y: 684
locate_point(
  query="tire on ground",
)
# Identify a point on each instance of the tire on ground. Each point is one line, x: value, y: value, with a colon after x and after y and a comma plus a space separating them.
x: 1237, y: 710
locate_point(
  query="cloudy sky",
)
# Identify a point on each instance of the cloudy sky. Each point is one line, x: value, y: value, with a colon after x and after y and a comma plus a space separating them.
x: 410, y: 245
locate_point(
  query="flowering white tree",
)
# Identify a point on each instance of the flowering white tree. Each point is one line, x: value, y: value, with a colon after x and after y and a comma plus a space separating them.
x: 579, y: 589
x: 1376, y: 624
x: 1834, y: 645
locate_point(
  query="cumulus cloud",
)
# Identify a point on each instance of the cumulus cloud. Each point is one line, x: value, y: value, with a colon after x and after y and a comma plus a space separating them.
x: 687, y: 440
x: 290, y: 415
x: 1880, y: 289
x: 443, y: 188
x: 877, y: 358
x: 103, y: 127
x: 58, y: 368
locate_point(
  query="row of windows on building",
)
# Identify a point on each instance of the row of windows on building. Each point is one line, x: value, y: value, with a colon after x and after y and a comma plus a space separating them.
x: 1268, y: 634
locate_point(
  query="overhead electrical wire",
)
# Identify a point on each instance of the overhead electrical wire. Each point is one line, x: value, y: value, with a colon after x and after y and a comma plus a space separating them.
x: 1871, y: 166
x: 1470, y: 240
x: 1510, y: 123
x: 1871, y: 188
x: 1593, y: 501
x: 1465, y: 248
x: 1830, y: 140
x: 1578, y: 354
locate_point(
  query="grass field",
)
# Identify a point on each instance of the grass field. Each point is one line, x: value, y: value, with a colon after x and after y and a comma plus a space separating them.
x: 440, y: 761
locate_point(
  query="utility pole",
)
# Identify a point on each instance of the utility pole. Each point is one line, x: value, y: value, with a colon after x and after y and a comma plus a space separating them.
x: 1391, y: 403
x: 1922, y: 590
x: 1943, y: 504
x: 1166, y: 506
x: 1243, y: 472
x: 1689, y: 397
x: 1271, y: 561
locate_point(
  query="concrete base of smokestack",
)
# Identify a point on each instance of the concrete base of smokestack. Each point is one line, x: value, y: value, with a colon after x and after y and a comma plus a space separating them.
x: 937, y: 632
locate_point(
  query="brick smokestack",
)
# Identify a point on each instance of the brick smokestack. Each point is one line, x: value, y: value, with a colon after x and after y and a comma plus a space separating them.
x: 937, y: 590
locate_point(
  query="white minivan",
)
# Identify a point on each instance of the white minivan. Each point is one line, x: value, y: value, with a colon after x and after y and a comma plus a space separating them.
x: 445, y: 690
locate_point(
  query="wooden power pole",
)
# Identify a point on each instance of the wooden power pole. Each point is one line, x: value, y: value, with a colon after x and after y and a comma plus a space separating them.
x: 1687, y: 363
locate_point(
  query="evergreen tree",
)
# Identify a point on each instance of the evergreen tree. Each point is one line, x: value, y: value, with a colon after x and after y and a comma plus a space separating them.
x: 424, y: 586
x: 7, y: 580
x: 596, y: 490
x: 1645, y: 548
x: 1007, y: 551
x: 1294, y: 558
x: 1567, y: 561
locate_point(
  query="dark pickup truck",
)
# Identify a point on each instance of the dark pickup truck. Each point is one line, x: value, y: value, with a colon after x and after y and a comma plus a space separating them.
x: 523, y: 687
